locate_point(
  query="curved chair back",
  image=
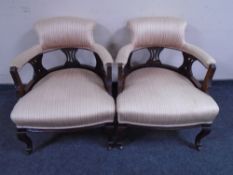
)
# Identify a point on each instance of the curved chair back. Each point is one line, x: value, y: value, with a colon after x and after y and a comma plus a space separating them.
x: 157, y: 33
x: 68, y: 34
x: 65, y: 32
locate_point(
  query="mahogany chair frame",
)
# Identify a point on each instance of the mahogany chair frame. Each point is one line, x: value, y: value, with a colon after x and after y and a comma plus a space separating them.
x: 185, y: 69
x: 40, y: 71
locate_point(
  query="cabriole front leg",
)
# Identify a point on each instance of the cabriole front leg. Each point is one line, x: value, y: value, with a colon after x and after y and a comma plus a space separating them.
x: 206, y: 129
x: 22, y: 136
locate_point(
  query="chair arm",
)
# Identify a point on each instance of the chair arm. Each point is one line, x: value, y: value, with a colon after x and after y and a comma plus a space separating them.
x: 120, y: 77
x: 20, y: 88
x: 199, y: 54
x: 206, y: 60
x: 108, y: 78
x: 26, y: 56
x: 208, y: 77
x: 114, y: 88
x: 18, y: 63
x: 124, y: 53
x: 103, y: 54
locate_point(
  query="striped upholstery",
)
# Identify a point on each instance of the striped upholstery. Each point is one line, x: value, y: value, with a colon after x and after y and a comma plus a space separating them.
x: 163, y: 98
x: 68, y: 98
x: 168, y: 32
x: 157, y: 31
x: 63, y: 32
x: 25, y: 56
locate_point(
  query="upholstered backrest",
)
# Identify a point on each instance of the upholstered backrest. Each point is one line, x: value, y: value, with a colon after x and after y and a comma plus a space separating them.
x: 157, y: 32
x: 65, y: 32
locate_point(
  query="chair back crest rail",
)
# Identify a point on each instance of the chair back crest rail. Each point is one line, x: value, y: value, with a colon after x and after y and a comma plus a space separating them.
x: 39, y: 71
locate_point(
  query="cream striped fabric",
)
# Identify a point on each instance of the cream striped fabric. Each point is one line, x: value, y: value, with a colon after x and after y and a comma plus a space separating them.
x: 26, y: 56
x: 168, y: 32
x: 103, y: 53
x: 163, y: 98
x: 63, y: 32
x: 69, y: 98
x: 157, y: 31
x: 197, y: 52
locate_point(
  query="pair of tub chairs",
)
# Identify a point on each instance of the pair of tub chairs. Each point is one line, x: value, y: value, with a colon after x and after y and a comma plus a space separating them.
x: 77, y: 96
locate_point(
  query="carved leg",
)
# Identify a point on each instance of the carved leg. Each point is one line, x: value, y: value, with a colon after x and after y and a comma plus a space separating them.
x: 206, y: 129
x: 109, y: 131
x: 117, y: 137
x: 22, y: 136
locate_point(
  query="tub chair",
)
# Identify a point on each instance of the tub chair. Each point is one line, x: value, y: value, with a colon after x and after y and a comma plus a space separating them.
x: 68, y: 97
x: 158, y: 95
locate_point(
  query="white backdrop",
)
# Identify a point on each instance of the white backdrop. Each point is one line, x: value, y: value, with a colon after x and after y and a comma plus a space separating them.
x: 210, y: 26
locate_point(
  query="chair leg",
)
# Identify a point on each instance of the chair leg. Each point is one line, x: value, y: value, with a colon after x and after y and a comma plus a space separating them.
x: 206, y: 129
x: 109, y: 131
x: 117, y: 137
x: 22, y: 136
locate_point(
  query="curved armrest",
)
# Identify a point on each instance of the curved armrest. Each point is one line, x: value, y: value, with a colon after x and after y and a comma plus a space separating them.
x: 26, y: 56
x: 103, y: 54
x: 205, y: 59
x: 208, y: 77
x: 120, y: 77
x: 108, y: 78
x: 199, y: 54
x: 18, y: 63
x: 124, y: 53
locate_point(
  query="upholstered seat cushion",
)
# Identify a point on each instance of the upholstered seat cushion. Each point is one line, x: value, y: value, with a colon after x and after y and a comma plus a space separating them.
x: 68, y: 98
x: 163, y: 98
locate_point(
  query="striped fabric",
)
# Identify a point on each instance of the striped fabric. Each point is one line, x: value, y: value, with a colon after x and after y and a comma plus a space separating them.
x: 168, y: 32
x: 200, y: 54
x: 63, y: 32
x: 69, y: 98
x: 157, y: 31
x: 26, y: 56
x: 163, y: 98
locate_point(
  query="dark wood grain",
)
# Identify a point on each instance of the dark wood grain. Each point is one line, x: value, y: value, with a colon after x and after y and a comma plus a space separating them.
x: 39, y: 71
x: 154, y: 61
x: 185, y: 69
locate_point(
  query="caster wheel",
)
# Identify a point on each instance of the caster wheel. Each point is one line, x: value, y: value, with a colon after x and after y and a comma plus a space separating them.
x: 121, y: 147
